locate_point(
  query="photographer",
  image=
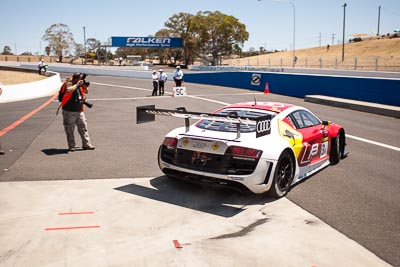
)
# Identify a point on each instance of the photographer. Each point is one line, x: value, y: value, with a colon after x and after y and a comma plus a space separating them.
x: 73, y: 111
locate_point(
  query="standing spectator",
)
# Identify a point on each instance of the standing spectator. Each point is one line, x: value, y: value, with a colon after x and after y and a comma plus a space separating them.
x: 155, y: 78
x: 163, y: 77
x: 327, y: 48
x: 178, y: 76
x: 72, y: 106
x: 41, y: 66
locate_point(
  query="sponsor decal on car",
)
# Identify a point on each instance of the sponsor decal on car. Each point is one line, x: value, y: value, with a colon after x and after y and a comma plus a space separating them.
x: 263, y: 125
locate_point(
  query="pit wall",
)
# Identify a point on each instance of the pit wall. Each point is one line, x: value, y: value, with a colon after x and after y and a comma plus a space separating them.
x: 376, y: 90
x: 25, y: 91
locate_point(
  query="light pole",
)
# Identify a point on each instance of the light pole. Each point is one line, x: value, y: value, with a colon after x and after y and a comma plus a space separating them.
x: 294, y: 28
x: 379, y: 19
x: 84, y: 41
x: 344, y: 24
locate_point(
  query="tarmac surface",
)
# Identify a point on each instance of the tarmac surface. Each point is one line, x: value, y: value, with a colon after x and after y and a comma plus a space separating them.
x: 134, y: 222
x: 113, y: 207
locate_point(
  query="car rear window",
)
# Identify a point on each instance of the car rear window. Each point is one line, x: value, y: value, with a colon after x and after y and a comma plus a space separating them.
x: 231, y: 127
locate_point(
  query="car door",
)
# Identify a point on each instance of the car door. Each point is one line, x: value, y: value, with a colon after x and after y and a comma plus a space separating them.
x: 315, y: 140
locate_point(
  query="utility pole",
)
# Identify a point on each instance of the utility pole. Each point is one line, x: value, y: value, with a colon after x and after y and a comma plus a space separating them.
x: 344, y: 27
x: 333, y: 38
x: 84, y: 41
x: 379, y: 18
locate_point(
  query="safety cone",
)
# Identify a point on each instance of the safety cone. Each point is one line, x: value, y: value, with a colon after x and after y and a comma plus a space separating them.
x: 266, y: 90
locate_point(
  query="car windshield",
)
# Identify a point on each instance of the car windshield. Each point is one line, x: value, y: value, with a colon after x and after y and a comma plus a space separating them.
x: 231, y: 127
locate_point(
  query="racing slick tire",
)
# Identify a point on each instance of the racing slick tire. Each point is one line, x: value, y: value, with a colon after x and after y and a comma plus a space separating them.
x: 283, y: 175
x: 337, y: 149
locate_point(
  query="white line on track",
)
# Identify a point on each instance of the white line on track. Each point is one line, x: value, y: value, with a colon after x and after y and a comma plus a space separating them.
x: 224, y: 103
x: 372, y: 142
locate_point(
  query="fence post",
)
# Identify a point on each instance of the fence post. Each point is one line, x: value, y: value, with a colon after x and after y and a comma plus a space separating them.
x: 355, y: 63
x: 320, y: 63
x: 269, y: 62
x: 281, y: 62
x: 306, y: 63
x: 335, y: 63
x: 376, y: 63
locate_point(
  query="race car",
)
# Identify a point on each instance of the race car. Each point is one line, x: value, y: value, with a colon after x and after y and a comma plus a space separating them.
x: 256, y: 146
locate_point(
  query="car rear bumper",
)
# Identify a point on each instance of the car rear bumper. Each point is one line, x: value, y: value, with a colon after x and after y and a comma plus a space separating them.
x: 258, y: 182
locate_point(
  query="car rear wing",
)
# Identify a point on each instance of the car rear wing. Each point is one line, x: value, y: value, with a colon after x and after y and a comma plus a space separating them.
x: 147, y: 114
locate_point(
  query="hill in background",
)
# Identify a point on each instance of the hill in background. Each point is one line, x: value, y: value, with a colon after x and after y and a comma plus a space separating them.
x: 369, y: 54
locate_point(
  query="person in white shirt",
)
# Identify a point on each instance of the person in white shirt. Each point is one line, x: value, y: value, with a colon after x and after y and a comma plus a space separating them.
x: 178, y: 76
x: 41, y: 66
x: 155, y: 83
x: 163, y: 77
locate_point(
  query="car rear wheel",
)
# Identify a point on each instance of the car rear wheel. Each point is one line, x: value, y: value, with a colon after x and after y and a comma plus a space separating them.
x: 336, y: 149
x: 283, y: 176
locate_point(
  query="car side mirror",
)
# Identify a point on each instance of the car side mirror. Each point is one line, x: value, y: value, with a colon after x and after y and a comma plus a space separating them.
x: 326, y: 123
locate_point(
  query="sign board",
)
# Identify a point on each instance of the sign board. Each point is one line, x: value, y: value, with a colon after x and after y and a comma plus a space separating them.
x: 255, y: 79
x: 147, y: 42
x: 179, y: 91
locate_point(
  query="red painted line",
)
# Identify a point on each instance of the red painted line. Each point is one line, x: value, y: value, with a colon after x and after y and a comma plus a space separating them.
x: 75, y: 213
x: 72, y: 227
x: 27, y: 116
x: 176, y: 243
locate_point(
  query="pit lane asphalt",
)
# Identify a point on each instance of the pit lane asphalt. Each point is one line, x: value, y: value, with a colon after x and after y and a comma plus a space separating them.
x: 359, y: 197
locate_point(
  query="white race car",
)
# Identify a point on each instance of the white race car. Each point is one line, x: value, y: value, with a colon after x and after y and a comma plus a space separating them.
x: 261, y: 147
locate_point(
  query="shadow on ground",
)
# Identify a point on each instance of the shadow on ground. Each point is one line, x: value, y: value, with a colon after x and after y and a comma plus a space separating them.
x: 225, y: 203
x: 54, y: 151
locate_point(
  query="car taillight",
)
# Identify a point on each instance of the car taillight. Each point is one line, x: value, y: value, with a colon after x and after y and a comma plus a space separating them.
x: 243, y: 152
x: 170, y: 143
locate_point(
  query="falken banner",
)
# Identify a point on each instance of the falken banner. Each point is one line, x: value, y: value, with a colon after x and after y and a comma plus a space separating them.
x: 147, y: 42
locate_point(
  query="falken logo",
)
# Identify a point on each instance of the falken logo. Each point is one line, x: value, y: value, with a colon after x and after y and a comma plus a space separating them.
x: 148, y: 40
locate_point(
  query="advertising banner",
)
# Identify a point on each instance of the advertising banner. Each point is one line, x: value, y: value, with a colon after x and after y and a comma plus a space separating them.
x: 147, y: 42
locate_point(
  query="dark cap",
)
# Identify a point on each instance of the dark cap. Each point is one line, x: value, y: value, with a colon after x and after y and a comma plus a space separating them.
x: 76, y: 75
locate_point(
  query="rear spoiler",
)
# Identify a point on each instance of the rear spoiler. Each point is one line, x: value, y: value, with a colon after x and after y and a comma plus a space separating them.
x: 147, y: 114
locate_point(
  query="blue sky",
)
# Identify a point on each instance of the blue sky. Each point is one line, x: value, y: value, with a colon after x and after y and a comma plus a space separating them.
x: 269, y: 23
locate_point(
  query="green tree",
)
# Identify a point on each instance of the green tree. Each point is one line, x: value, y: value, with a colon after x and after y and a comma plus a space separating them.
x: 169, y: 55
x: 79, y: 50
x: 60, y: 39
x: 47, y: 49
x: 103, y: 55
x: 92, y: 44
x: 208, y: 35
x: 219, y: 34
x: 7, y: 50
x: 180, y: 25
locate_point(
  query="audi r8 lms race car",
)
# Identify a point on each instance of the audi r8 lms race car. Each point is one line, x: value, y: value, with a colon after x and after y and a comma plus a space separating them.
x: 261, y: 147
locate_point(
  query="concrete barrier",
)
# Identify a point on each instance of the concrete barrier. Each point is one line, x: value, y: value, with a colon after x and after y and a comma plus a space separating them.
x: 375, y: 90
x: 24, y: 91
x: 385, y: 91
